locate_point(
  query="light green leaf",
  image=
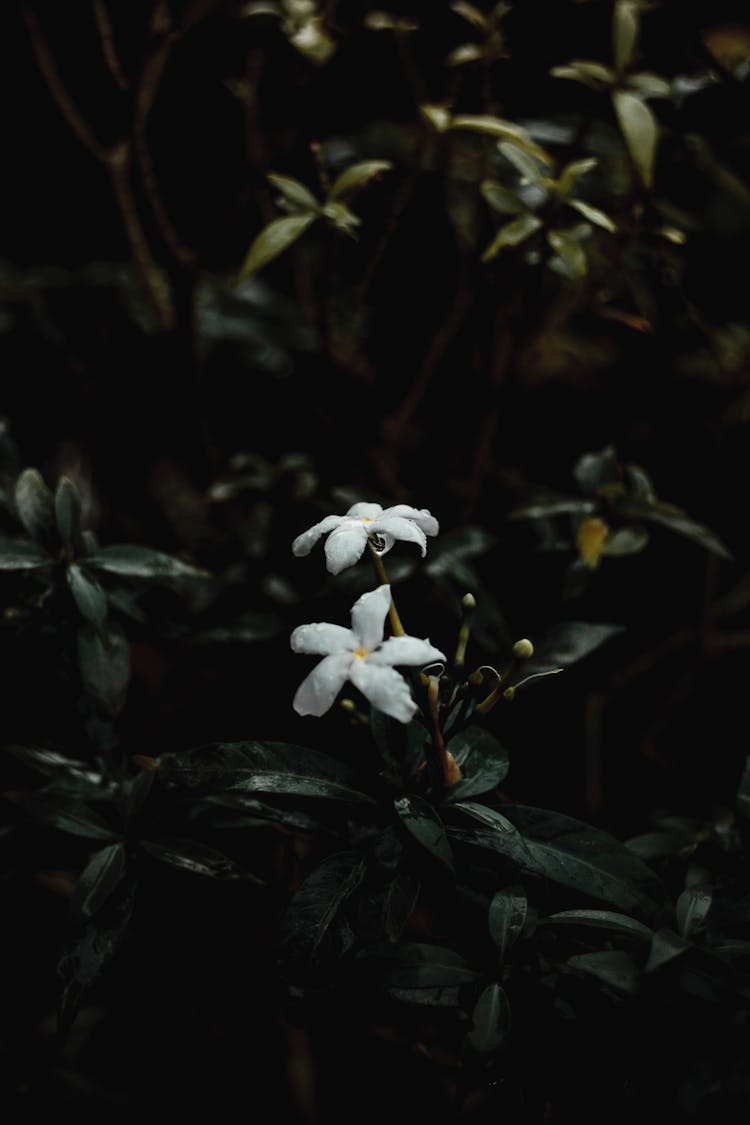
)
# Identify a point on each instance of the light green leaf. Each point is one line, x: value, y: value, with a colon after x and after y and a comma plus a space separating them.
x: 501, y: 199
x: 593, y: 214
x: 571, y: 253
x: 648, y: 85
x: 294, y: 192
x: 356, y: 176
x: 512, y: 234
x: 521, y: 161
x: 590, y: 73
x: 437, y: 115
x: 572, y: 172
x: 344, y: 220
x: 470, y: 13
x: 640, y: 131
x: 274, y: 240
x: 625, y: 28
x: 466, y: 53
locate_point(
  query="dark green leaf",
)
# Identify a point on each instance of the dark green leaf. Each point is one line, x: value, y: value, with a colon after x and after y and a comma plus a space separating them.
x: 552, y: 505
x: 410, y: 964
x: 301, y: 784
x: 198, y: 859
x: 68, y: 515
x: 129, y: 561
x: 658, y: 845
x: 63, y: 812
x: 423, y: 823
x: 88, y: 596
x: 597, y: 473
x: 104, y: 665
x: 36, y: 508
x: 665, y: 946
x: 506, y: 917
x: 54, y: 764
x: 484, y: 763
x: 400, y: 900
x: 313, y: 910
x: 600, y: 919
x: 19, y: 554
x: 491, y: 1018
x: 567, y: 643
x: 223, y: 765
x: 693, y: 906
x: 357, y: 176
x: 97, y: 881
x: 612, y: 966
x: 273, y: 240
x: 743, y: 790
x: 673, y: 518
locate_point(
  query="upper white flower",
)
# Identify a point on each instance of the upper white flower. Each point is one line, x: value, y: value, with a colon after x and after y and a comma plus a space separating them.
x: 349, y: 533
x: 361, y: 656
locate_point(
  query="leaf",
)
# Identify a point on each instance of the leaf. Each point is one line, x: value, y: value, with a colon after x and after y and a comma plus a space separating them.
x: 417, y: 965
x: 596, y: 473
x: 626, y: 541
x: 743, y: 790
x: 590, y: 73
x: 19, y: 554
x: 674, y: 519
x: 299, y: 784
x: 466, y: 53
x: 571, y: 253
x: 129, y: 561
x: 68, y: 515
x: 470, y: 13
x: 356, y: 176
x: 294, y: 192
x: 665, y: 946
x: 491, y: 1017
x: 340, y: 217
x: 640, y: 131
x: 692, y: 908
x: 658, y: 845
x: 568, y: 642
x: 400, y: 900
x: 649, y: 85
x: 36, y: 509
x: 273, y: 240
x: 551, y: 504
x: 573, y: 172
x: 63, y: 812
x: 501, y: 199
x: 484, y: 763
x: 506, y: 917
x: 522, y: 162
x: 625, y: 28
x: 88, y: 596
x: 612, y: 967
x: 600, y: 919
x: 510, y: 136
x: 593, y: 214
x: 98, y: 880
x: 314, y: 908
x: 55, y: 765
x: 197, y: 858
x: 512, y: 234
x: 423, y: 823
x: 104, y: 666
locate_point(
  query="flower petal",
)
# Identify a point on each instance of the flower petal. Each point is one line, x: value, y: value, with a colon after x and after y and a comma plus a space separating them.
x: 368, y: 616
x: 420, y: 516
x: 399, y: 528
x: 322, y: 639
x: 317, y: 692
x: 364, y: 511
x: 385, y: 689
x: 406, y: 650
x: 344, y: 546
x: 305, y: 542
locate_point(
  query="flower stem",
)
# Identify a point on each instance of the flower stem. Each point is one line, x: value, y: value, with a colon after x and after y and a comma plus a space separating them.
x: 396, y: 626
x: 448, y: 764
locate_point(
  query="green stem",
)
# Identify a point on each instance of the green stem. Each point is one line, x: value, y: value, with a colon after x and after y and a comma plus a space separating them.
x: 396, y: 626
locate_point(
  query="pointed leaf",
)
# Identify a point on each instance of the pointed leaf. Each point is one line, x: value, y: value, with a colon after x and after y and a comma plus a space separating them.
x: 129, y: 561
x: 512, y: 234
x: 593, y: 214
x: 501, y: 199
x: 483, y: 761
x: 411, y: 964
x: 506, y: 917
x: 612, y: 966
x: 299, y: 784
x: 197, y: 858
x: 357, y: 176
x: 295, y: 193
x: 673, y: 518
x: 590, y: 73
x: 88, y: 596
x: 36, y: 508
x: 400, y: 900
x: 98, y: 880
x: 596, y: 473
x: 573, y: 172
x: 313, y: 910
x: 491, y: 1017
x: 273, y: 240
x: 19, y: 554
x: 624, y: 32
x: 570, y: 251
x: 104, y: 665
x: 693, y: 906
x: 601, y: 919
x: 640, y: 131
x: 470, y: 13
x: 423, y: 823
x: 648, y: 85
x: 63, y: 812
x: 522, y: 162
x: 68, y: 515
x: 665, y: 946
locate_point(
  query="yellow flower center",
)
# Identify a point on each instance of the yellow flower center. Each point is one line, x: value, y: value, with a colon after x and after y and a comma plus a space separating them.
x: 591, y: 540
x: 361, y: 653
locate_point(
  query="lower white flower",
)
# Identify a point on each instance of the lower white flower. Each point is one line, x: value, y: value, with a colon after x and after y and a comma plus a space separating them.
x: 348, y: 535
x: 361, y: 656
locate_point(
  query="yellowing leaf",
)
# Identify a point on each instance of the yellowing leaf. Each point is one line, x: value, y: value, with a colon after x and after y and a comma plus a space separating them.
x: 593, y: 214
x: 640, y: 131
x: 356, y: 176
x: 273, y: 240
x: 512, y: 234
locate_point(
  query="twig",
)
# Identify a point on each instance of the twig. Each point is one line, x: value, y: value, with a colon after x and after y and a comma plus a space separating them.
x: 106, y: 36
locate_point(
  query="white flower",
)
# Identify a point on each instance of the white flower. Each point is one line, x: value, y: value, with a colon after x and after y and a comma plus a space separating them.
x: 349, y: 533
x: 361, y: 656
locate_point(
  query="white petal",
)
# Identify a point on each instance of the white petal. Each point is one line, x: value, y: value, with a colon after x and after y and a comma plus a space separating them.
x: 344, y: 546
x: 385, y: 689
x: 406, y: 650
x: 322, y: 639
x: 364, y: 511
x: 305, y: 542
x: 317, y: 692
x: 368, y: 616
x: 399, y: 528
x: 420, y: 516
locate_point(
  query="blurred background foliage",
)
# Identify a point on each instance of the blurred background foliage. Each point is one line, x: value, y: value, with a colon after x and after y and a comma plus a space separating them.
x: 527, y: 314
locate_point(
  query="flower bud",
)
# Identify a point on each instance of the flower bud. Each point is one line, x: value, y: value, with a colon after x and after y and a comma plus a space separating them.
x: 523, y: 649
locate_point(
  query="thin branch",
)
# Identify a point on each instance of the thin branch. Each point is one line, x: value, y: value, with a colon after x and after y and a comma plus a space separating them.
x: 107, y: 39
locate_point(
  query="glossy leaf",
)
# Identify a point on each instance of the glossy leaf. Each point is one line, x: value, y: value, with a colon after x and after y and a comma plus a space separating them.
x: 506, y: 917
x: 410, y: 964
x: 567, y: 643
x: 743, y: 791
x: 98, y: 880
x: 35, y: 505
x: 483, y: 761
x: 491, y: 1020
x: 692, y: 909
x: 597, y: 473
x: 128, y: 561
x: 356, y: 176
x: 314, y: 908
x: 88, y: 596
x: 522, y: 162
x: 665, y: 946
x: 612, y: 967
x: 674, y: 519
x: 104, y: 665
x: 197, y: 858
x: 590, y: 73
x: 600, y: 919
x: 400, y: 900
x: 640, y: 131
x: 593, y: 214
x: 299, y: 784
x: 273, y: 240
x: 572, y: 172
x: 64, y: 812
x: 19, y: 554
x: 423, y: 823
x: 68, y: 515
